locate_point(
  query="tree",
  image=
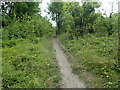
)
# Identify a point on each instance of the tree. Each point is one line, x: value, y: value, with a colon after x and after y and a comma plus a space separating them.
x: 56, y: 9
x: 17, y: 10
x: 72, y: 17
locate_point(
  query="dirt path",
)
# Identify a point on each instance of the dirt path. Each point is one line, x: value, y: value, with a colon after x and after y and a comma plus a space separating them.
x: 69, y: 80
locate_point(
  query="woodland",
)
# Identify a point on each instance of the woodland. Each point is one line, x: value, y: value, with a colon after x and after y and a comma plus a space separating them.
x: 91, y: 40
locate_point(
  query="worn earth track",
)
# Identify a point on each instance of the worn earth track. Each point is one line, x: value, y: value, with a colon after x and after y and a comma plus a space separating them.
x: 69, y: 80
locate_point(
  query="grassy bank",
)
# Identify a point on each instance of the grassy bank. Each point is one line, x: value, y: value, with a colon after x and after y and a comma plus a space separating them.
x: 94, y: 59
x: 29, y: 63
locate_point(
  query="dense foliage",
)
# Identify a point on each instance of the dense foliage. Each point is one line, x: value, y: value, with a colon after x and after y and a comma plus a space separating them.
x: 28, y: 57
x: 91, y: 38
x: 27, y: 64
x: 97, y: 55
x: 79, y: 20
x: 36, y: 26
x: 17, y: 10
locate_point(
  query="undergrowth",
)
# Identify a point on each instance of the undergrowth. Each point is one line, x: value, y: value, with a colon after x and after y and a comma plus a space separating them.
x: 28, y: 64
x: 97, y: 55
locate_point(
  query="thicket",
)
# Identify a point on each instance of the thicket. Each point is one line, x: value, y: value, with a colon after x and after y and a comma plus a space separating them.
x: 35, y: 27
x: 28, y: 59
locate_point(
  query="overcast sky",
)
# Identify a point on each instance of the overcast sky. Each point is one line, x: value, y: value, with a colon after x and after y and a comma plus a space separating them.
x: 105, y: 4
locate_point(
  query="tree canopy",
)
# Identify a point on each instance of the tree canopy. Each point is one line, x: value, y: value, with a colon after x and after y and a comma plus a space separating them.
x: 18, y: 10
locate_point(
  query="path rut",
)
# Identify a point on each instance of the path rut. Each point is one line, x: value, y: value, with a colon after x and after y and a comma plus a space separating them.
x: 69, y: 80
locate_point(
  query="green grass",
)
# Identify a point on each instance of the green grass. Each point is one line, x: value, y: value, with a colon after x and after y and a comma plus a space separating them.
x: 95, y: 56
x: 29, y: 64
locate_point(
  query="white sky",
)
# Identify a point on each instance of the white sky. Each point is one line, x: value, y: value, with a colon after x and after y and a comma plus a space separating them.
x: 105, y: 4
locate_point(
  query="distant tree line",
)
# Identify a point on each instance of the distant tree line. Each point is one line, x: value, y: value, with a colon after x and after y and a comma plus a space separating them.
x: 78, y: 20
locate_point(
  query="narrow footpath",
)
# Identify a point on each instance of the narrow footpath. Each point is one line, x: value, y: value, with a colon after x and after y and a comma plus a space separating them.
x: 69, y: 80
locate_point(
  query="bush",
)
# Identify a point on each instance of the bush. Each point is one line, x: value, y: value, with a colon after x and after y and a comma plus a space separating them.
x: 37, y: 26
